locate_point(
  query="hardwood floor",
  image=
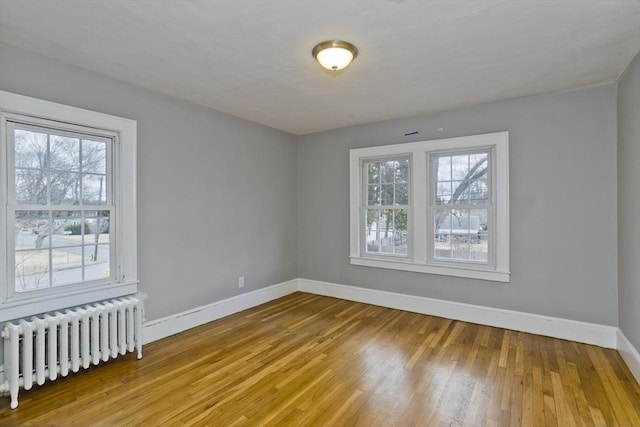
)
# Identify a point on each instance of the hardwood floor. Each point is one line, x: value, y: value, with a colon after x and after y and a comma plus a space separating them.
x: 312, y: 360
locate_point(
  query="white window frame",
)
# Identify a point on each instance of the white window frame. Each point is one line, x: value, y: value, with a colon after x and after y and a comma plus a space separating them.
x: 124, y: 281
x: 364, y: 207
x: 421, y: 258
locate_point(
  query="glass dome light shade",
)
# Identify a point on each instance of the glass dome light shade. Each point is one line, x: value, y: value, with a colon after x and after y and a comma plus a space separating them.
x: 334, y: 55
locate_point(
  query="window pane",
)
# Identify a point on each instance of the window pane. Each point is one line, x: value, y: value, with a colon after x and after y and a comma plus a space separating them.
x: 30, y: 149
x: 65, y: 153
x: 50, y: 174
x: 462, y: 179
x: 97, y: 262
x: 96, y: 229
x: 403, y: 169
x: 66, y: 271
x: 388, y: 183
x: 444, y: 168
x: 459, y: 194
x: 480, y: 243
x: 64, y: 188
x: 461, y: 234
x: 478, y: 192
x: 96, y: 240
x: 373, y: 195
x: 31, y: 186
x: 32, y: 270
x: 443, y: 192
x: 459, y: 167
x: 77, y: 249
x: 402, y: 194
x: 386, y: 231
x: 477, y: 159
x: 24, y: 230
x: 34, y: 229
x: 66, y: 228
x: 373, y: 172
x: 461, y: 245
x: 94, y: 156
x: 387, y: 194
x: 401, y: 191
x: 67, y: 265
x: 94, y: 189
x: 388, y: 171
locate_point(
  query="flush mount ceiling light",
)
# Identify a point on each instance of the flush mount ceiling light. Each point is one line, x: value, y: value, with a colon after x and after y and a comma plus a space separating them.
x: 334, y: 55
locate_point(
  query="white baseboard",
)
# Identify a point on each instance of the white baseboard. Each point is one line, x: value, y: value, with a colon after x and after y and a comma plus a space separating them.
x: 629, y: 354
x: 170, y: 325
x: 589, y: 333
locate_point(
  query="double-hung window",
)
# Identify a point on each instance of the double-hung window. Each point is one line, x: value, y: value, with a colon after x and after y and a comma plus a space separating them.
x: 68, y: 204
x: 386, y: 207
x: 460, y: 207
x: 438, y: 207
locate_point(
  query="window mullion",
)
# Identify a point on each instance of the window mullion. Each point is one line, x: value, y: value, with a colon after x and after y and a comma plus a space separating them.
x: 362, y: 209
x: 110, y: 181
x: 418, y: 206
x: 47, y: 166
x: 81, y: 176
x: 82, y: 249
x: 50, y: 249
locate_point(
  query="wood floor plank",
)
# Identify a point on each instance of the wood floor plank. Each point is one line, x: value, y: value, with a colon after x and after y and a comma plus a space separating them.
x: 308, y: 360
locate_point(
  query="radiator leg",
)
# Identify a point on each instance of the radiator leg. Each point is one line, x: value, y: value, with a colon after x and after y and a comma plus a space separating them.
x: 14, y: 366
x: 14, y: 399
x: 138, y: 332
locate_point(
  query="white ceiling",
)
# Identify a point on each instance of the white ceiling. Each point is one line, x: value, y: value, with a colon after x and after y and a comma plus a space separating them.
x: 252, y: 58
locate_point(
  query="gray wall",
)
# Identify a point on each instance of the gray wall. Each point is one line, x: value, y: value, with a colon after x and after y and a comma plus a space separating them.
x: 562, y: 205
x: 629, y: 202
x: 216, y: 194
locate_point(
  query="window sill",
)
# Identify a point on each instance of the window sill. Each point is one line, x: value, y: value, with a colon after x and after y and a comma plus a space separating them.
x: 466, y: 272
x: 10, y: 310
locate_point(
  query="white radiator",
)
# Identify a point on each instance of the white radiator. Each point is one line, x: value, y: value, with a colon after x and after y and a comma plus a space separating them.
x: 50, y: 345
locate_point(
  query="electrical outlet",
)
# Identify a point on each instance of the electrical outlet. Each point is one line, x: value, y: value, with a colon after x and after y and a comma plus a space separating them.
x: 241, y: 282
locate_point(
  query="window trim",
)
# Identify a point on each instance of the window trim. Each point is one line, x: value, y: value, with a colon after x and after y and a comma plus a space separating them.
x: 419, y: 210
x: 124, y: 182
